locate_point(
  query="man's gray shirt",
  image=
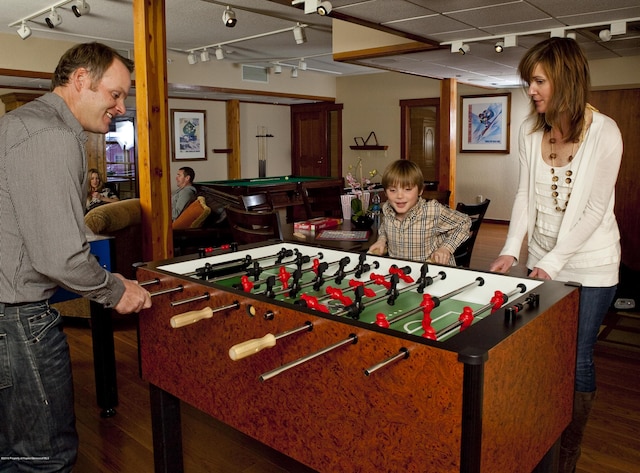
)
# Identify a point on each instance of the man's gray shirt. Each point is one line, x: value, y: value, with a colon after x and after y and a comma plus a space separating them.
x: 43, y: 174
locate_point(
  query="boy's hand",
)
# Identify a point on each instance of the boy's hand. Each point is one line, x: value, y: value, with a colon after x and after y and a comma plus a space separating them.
x: 378, y: 248
x: 440, y: 256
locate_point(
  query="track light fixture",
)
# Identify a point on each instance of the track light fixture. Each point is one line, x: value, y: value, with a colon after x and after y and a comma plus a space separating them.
x: 294, y: 72
x: 219, y: 53
x: 80, y: 8
x: 324, y: 8
x: 605, y: 35
x: 24, y: 31
x: 302, y: 65
x: 53, y: 19
x: 460, y: 47
x: 229, y: 17
x: 299, y: 34
x: 192, y: 58
x: 499, y: 46
x: 277, y: 69
x: 464, y: 49
x: 204, y: 55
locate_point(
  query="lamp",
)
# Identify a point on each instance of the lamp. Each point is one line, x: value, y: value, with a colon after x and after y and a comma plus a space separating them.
x: 54, y: 19
x: 24, y: 31
x: 294, y: 72
x: 299, y: 35
x: 460, y: 47
x: 499, y: 46
x: 219, y: 53
x: 324, y: 8
x: 464, y: 49
x: 229, y: 17
x: 277, y: 69
x: 204, y: 55
x: 80, y: 8
x: 605, y: 35
x: 302, y: 65
x: 192, y: 58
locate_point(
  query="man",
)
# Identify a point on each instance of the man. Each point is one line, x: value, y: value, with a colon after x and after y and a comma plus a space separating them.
x: 43, y: 172
x: 185, y: 193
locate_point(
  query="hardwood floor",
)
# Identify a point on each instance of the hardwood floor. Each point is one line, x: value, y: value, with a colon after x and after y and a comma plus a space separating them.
x: 123, y: 443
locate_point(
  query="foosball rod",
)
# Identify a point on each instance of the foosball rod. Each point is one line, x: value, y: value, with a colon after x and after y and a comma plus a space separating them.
x: 352, y: 339
x: 178, y: 288
x: 402, y: 355
x: 253, y: 346
x: 191, y: 317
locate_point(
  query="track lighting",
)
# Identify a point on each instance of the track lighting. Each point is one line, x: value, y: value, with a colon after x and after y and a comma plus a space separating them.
x: 54, y: 19
x: 324, y: 8
x: 464, y: 49
x: 294, y: 72
x: 302, y: 65
x: 229, y: 18
x: 499, y: 46
x: 460, y: 47
x: 24, y: 31
x: 277, y: 69
x: 80, y: 8
x: 605, y: 35
x: 299, y: 34
x: 204, y: 55
x: 219, y: 53
x: 192, y: 58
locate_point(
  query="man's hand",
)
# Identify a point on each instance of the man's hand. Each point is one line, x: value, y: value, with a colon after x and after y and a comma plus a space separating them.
x: 134, y: 299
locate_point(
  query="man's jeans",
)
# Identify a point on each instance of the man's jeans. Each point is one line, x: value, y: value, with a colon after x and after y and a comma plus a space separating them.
x: 37, y: 421
x: 594, y: 303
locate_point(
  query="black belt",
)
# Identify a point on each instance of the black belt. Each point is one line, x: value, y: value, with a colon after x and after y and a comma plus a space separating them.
x: 21, y: 304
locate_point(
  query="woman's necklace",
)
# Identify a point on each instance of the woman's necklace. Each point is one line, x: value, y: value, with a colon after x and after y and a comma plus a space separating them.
x: 555, y: 178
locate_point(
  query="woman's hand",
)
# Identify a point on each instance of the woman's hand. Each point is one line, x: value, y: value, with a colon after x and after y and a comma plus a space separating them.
x: 502, y: 264
x: 539, y: 273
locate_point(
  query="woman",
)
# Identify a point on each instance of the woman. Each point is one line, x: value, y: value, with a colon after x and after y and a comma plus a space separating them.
x: 569, y: 160
x: 98, y: 194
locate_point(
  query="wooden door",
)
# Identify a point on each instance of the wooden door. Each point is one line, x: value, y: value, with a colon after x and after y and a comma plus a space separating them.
x: 316, y: 140
x: 622, y: 106
x: 420, y: 132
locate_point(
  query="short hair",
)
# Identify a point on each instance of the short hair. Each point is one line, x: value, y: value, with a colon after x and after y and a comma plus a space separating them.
x: 94, y: 57
x: 567, y: 68
x: 402, y: 173
x: 188, y: 172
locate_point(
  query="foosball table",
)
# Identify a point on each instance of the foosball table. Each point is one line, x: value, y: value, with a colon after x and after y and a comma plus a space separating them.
x: 357, y: 363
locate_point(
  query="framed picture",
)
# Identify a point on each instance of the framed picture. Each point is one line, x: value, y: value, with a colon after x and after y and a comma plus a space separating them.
x: 484, y: 123
x: 188, y: 137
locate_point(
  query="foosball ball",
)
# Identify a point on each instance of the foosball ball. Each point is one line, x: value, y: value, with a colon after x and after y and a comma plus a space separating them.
x: 353, y: 362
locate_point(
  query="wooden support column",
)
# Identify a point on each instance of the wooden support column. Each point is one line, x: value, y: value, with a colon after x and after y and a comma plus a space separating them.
x: 448, y: 120
x: 234, y: 164
x: 153, y: 128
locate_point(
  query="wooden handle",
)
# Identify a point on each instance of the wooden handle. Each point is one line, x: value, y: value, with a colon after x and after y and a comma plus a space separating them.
x: 244, y: 349
x: 191, y: 317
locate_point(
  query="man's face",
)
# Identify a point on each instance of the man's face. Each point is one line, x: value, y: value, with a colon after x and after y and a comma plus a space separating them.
x: 182, y: 179
x: 98, y: 102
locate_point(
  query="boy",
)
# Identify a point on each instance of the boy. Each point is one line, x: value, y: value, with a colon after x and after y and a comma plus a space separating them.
x: 413, y: 228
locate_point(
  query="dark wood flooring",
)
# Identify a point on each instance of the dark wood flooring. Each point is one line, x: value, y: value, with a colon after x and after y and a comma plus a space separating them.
x: 123, y: 443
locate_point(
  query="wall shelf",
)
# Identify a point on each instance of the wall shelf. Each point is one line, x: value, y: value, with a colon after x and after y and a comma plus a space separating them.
x: 369, y: 147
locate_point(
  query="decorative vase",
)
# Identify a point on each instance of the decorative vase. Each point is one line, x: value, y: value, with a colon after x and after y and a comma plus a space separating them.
x: 346, y: 205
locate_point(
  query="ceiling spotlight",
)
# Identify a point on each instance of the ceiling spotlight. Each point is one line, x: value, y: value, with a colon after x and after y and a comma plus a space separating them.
x: 192, y: 58
x: 324, y: 8
x: 24, y: 31
x: 605, y: 35
x: 499, y: 46
x: 81, y: 8
x: 54, y: 19
x: 277, y: 69
x: 204, y: 55
x: 302, y: 65
x: 219, y: 53
x: 294, y: 72
x: 299, y: 34
x: 229, y: 18
x: 464, y: 49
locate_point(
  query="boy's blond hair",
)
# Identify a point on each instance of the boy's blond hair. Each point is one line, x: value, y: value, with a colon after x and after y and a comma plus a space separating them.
x: 403, y: 173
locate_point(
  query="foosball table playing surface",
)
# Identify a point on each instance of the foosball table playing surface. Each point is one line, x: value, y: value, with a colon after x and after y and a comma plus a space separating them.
x: 353, y: 362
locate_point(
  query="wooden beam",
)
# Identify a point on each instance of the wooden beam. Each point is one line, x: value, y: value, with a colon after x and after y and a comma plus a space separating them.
x: 448, y: 119
x: 153, y: 128
x: 234, y: 164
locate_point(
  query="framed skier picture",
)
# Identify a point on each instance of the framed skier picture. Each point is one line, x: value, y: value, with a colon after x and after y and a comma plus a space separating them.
x: 484, y: 123
x: 188, y: 137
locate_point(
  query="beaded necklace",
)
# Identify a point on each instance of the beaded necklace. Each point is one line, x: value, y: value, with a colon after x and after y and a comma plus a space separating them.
x: 554, y: 177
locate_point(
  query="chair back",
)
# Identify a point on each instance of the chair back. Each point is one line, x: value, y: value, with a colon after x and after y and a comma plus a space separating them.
x: 476, y: 212
x: 321, y: 202
x: 248, y: 226
x: 440, y: 196
x: 257, y: 202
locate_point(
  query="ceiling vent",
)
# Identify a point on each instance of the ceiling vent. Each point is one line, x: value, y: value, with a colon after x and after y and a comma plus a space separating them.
x: 255, y: 74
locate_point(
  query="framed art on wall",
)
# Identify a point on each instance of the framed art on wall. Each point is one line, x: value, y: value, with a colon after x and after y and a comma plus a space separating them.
x: 484, y: 123
x: 188, y: 136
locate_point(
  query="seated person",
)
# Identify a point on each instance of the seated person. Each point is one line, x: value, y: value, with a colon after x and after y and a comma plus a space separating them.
x: 185, y: 193
x: 97, y: 193
x: 413, y: 228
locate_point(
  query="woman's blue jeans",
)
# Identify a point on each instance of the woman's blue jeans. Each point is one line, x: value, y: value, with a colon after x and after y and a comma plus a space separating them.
x: 37, y: 421
x: 594, y: 304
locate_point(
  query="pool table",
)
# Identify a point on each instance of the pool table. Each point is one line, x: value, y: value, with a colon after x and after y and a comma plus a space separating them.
x: 284, y: 190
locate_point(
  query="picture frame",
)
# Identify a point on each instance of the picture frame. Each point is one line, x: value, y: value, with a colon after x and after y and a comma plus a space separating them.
x: 188, y: 136
x: 485, y: 122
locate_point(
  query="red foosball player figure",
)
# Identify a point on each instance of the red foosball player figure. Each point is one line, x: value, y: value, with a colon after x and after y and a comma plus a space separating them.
x: 381, y: 320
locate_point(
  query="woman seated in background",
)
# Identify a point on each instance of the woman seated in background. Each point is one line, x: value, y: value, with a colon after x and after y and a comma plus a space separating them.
x: 97, y: 193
